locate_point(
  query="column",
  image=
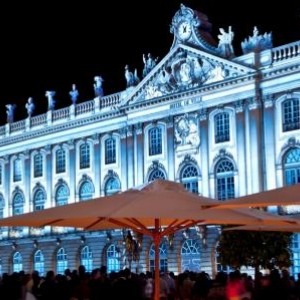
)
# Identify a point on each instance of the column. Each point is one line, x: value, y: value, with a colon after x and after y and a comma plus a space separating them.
x: 124, y: 158
x: 170, y: 148
x: 138, y: 155
x: 97, y: 165
x: 72, y: 172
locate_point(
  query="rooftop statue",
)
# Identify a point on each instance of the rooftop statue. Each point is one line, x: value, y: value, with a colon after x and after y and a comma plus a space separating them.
x: 10, y: 112
x: 98, y: 86
x: 51, y: 101
x: 132, y: 79
x: 74, y: 94
x: 256, y: 42
x: 149, y: 63
x: 30, y: 106
x: 225, y: 42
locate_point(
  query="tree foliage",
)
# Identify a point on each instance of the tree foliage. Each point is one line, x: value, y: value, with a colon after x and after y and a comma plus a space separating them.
x: 257, y: 249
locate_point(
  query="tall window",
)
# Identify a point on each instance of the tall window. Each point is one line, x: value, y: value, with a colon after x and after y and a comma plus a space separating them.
x: 1, y: 173
x: 225, y: 180
x: 291, y: 114
x: 17, y: 170
x: 17, y: 262
x: 163, y: 258
x: 39, y: 262
x: 61, y: 261
x: 222, y: 130
x: 86, y: 191
x: 113, y: 258
x: 112, y: 186
x: 1, y: 207
x: 190, y: 256
x: 86, y: 258
x: 39, y: 200
x: 18, y: 204
x: 62, y: 195
x: 155, y: 141
x: 60, y: 161
x: 110, y: 151
x: 84, y: 156
x: 189, y: 178
x: 38, y: 165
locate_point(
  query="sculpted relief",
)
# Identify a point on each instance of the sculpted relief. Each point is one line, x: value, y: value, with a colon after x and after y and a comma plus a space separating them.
x: 185, y: 72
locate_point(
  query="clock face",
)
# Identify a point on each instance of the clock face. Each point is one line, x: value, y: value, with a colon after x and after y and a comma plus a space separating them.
x: 184, y: 30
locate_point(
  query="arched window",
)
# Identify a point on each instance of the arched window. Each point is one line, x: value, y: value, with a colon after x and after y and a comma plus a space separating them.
x: 112, y: 186
x: 38, y: 262
x: 17, y: 262
x: 86, y: 258
x: 18, y: 204
x: 157, y: 174
x: 189, y: 178
x: 155, y: 141
x: 86, y: 191
x: 113, y: 258
x: 110, y: 151
x: 60, y: 161
x: 61, y: 261
x: 39, y: 200
x: 292, y: 166
x: 163, y: 258
x: 38, y: 165
x: 84, y: 158
x: 290, y: 114
x: 222, y: 128
x: 190, y: 256
x: 62, y: 195
x: 225, y: 180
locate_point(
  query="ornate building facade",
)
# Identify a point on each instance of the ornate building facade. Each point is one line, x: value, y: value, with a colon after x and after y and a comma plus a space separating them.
x: 223, y: 125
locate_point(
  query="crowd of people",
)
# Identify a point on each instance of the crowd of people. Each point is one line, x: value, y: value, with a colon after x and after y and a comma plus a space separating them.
x: 99, y: 285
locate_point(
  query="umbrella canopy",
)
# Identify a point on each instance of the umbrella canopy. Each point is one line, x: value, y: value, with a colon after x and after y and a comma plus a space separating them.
x: 287, y: 195
x: 156, y: 209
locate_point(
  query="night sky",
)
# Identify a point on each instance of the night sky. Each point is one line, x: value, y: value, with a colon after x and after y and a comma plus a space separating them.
x: 51, y: 46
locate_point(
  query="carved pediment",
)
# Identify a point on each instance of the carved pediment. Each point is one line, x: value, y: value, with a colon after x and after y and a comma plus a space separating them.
x: 182, y: 69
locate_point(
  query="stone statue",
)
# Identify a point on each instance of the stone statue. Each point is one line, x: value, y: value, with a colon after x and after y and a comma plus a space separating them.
x: 74, y: 94
x: 225, y: 42
x: 149, y: 63
x: 132, y: 79
x: 98, y: 86
x: 10, y: 112
x: 30, y: 106
x: 51, y: 101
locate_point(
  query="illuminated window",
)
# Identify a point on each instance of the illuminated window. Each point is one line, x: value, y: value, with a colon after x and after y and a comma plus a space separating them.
x: 86, y: 191
x: 62, y: 195
x: 18, y: 204
x: 17, y: 262
x: 222, y: 130
x: 189, y: 178
x: 110, y: 151
x: 84, y: 156
x: 39, y: 263
x: 17, y: 170
x: 61, y: 261
x: 113, y: 258
x: 86, y: 258
x: 225, y: 180
x: 190, y: 256
x: 39, y: 200
x: 112, y: 186
x: 38, y: 165
x: 60, y: 161
x: 290, y: 114
x: 163, y: 258
x: 155, y: 141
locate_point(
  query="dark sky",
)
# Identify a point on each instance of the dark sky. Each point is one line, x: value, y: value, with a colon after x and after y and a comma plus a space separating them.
x: 51, y: 46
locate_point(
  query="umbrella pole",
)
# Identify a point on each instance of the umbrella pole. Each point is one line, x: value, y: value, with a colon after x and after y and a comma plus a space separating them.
x: 156, y: 238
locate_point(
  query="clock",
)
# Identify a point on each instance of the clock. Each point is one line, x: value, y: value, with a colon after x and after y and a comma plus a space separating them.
x: 184, y: 30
